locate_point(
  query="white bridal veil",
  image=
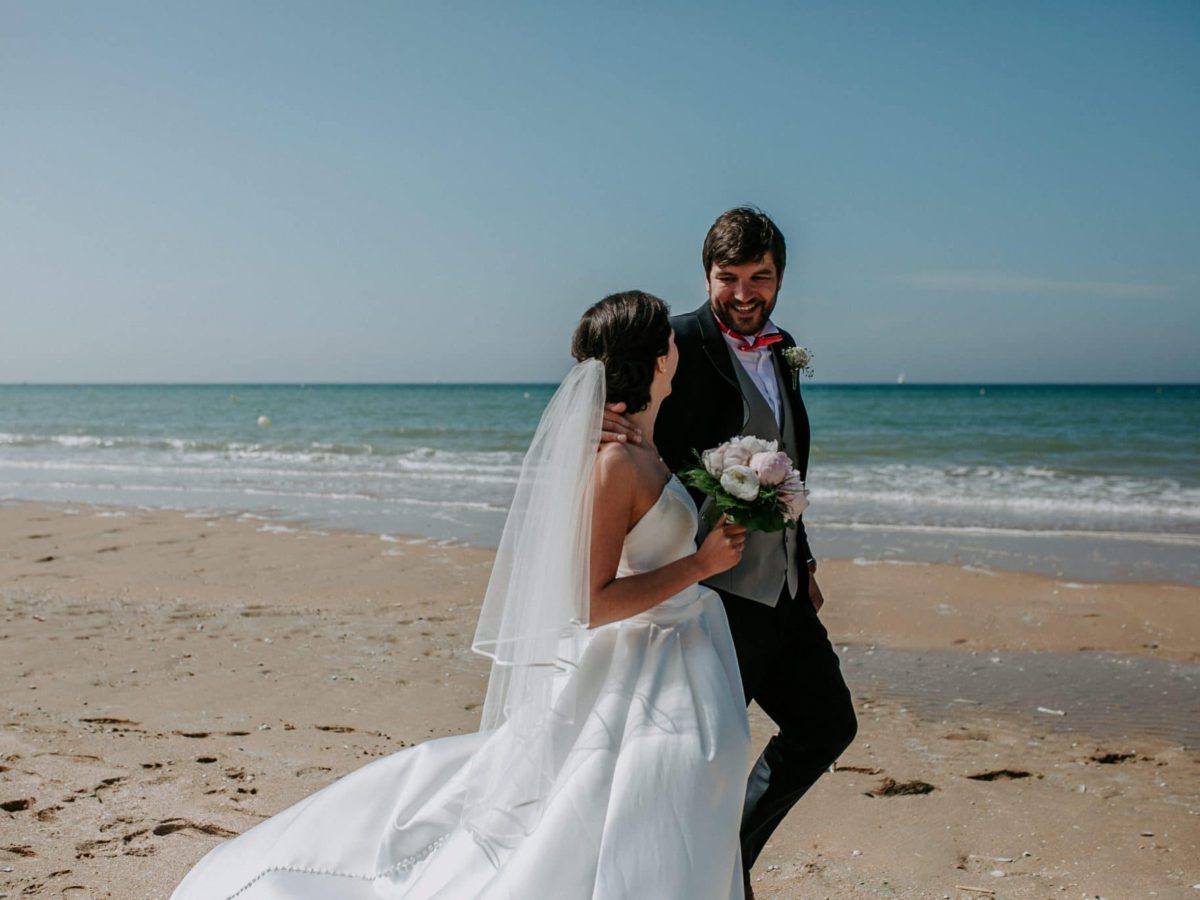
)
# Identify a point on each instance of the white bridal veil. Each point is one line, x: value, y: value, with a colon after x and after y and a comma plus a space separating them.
x: 534, y: 617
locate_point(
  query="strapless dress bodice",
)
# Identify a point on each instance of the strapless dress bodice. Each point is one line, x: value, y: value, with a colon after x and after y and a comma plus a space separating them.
x: 666, y: 532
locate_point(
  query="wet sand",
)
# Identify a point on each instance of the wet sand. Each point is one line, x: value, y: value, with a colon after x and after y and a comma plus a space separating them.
x: 171, y: 679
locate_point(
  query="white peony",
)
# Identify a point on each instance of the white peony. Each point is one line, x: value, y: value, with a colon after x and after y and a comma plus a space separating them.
x: 740, y: 482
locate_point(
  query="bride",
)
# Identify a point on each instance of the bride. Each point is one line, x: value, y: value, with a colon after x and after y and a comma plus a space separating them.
x: 611, y: 758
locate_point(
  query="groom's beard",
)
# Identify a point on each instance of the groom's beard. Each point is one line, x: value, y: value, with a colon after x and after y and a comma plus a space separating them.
x: 751, y: 322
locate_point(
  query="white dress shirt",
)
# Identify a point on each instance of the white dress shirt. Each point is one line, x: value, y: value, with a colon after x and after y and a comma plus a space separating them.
x: 761, y: 369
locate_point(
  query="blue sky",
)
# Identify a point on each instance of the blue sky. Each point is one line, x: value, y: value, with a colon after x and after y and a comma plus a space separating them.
x: 411, y: 192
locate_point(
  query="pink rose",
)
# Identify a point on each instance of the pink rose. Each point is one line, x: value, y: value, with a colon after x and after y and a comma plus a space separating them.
x: 771, y: 468
x: 793, y: 484
x: 750, y: 444
x: 794, y: 503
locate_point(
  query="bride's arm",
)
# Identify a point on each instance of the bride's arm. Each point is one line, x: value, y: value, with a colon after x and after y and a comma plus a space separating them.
x: 614, y: 598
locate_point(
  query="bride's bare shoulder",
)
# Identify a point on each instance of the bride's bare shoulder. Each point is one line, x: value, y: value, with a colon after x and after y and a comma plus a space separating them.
x: 623, y: 466
x: 615, y: 460
x: 628, y: 475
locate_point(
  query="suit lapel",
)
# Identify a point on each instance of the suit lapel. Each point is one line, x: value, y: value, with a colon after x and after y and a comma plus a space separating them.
x: 715, y: 347
x: 791, y: 389
x: 786, y: 372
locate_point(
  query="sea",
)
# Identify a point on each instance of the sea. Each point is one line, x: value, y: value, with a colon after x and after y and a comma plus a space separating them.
x: 1082, y: 482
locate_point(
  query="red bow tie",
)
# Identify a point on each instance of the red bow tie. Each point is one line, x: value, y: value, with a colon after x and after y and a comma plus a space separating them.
x: 758, y: 342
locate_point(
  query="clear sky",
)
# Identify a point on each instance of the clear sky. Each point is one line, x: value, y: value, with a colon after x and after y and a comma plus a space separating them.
x: 229, y: 191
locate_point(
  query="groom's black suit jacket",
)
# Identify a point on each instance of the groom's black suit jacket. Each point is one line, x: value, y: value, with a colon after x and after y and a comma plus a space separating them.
x: 706, y: 408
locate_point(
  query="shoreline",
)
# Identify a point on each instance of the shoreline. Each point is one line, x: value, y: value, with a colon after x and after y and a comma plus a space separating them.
x: 178, y: 677
x: 1065, y: 553
x: 958, y: 602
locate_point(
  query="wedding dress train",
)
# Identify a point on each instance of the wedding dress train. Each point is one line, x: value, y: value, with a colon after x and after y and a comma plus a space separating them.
x: 647, y: 774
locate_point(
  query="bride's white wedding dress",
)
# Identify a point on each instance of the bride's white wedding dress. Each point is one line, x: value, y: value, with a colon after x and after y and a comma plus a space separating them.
x: 644, y: 784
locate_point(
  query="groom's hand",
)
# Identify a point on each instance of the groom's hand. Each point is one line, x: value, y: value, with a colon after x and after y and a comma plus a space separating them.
x: 814, y: 592
x: 618, y: 428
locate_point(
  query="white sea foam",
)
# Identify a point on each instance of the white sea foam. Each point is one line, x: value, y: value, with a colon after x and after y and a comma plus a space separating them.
x: 1184, y: 540
x: 978, y: 570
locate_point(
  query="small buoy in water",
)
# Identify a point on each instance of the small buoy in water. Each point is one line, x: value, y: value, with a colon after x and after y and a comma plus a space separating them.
x: 982, y: 392
x: 527, y: 393
x: 264, y: 422
x: 1158, y: 390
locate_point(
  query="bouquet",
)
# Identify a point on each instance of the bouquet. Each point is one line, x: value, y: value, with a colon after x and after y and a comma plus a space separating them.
x: 751, y: 482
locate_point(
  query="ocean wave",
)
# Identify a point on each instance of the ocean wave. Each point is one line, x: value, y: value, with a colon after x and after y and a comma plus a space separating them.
x: 1010, y: 503
x: 1024, y: 496
x: 1153, y: 537
x: 499, y: 480
x: 1037, y: 489
x: 292, y: 451
x: 246, y: 491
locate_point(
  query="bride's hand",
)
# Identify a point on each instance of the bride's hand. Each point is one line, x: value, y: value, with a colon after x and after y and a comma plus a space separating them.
x: 618, y: 428
x: 722, y: 548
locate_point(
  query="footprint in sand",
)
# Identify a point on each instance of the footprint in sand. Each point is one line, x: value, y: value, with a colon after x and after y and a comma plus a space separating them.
x: 170, y: 826
x: 17, y: 805
x: 863, y: 770
x: 1000, y: 775
x: 967, y: 736
x: 87, y: 849
x: 889, y: 787
x: 1109, y: 759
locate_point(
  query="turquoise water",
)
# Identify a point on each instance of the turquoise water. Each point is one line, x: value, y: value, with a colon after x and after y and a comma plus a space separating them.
x: 914, y: 471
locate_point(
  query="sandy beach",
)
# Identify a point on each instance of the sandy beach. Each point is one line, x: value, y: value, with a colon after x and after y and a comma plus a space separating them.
x: 172, y: 678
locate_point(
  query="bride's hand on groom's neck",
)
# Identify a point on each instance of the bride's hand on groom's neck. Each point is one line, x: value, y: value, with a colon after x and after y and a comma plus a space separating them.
x: 618, y: 428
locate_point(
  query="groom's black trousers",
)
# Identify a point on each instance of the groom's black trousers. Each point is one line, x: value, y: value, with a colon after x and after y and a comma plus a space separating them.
x: 791, y: 670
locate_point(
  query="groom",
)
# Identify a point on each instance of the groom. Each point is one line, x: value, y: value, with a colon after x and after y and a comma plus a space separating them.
x: 734, y: 379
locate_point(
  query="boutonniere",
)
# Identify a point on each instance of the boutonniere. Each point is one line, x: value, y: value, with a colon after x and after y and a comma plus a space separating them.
x: 798, y: 359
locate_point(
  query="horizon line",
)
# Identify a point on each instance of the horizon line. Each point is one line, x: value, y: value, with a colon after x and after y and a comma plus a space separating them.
x: 440, y: 383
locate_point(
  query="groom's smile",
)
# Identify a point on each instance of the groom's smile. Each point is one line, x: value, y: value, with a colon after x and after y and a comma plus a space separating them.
x: 743, y: 295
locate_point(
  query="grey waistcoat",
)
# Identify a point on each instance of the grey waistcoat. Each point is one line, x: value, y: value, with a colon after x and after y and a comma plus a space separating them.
x: 769, y: 558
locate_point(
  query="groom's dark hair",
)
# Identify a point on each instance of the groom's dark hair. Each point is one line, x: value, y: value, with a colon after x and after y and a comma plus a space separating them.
x: 627, y: 332
x: 743, y: 235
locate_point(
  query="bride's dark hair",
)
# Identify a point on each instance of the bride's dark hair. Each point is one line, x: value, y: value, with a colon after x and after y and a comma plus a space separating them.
x: 627, y: 332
